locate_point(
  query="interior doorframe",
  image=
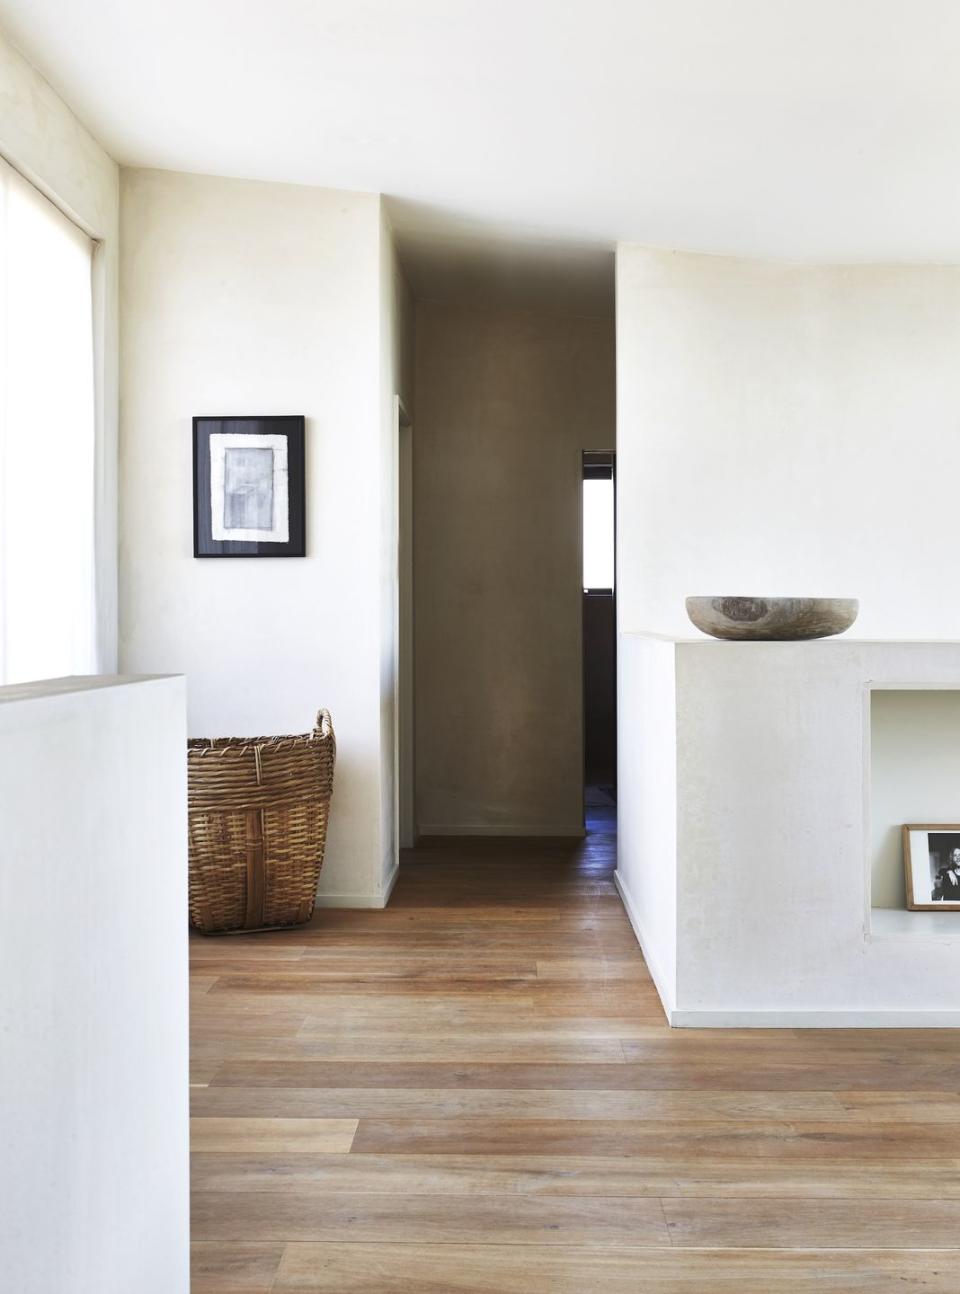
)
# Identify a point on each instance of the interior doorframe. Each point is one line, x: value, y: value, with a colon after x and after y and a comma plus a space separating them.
x: 404, y: 753
x: 584, y: 456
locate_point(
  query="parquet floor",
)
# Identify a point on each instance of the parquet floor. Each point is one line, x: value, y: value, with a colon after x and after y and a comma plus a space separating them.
x: 475, y: 1091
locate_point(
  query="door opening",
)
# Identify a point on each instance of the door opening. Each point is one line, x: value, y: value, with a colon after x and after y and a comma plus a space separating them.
x: 404, y: 752
x: 599, y: 641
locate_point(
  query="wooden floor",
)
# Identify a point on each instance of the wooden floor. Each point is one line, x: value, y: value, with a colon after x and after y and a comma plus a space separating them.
x: 475, y: 1090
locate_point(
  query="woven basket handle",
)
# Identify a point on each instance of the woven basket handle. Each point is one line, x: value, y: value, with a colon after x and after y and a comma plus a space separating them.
x: 324, y: 725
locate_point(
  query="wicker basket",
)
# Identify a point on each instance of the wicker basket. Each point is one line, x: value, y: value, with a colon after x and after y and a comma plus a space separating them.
x: 258, y: 824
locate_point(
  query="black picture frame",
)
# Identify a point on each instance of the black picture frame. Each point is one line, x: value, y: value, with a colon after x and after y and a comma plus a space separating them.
x: 209, y: 534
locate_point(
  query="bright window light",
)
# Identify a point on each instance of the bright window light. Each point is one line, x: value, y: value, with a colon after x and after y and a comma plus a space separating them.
x: 47, y: 620
x: 598, y: 541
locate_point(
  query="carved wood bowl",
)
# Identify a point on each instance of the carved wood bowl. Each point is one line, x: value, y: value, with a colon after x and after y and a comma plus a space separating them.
x: 772, y: 619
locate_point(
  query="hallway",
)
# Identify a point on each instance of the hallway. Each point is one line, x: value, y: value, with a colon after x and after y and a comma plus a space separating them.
x: 475, y: 1091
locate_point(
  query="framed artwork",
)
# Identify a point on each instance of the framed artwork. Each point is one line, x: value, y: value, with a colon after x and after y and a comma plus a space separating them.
x: 248, y: 487
x: 931, y: 863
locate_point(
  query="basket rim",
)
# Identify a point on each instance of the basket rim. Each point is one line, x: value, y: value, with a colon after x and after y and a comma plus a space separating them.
x: 322, y: 732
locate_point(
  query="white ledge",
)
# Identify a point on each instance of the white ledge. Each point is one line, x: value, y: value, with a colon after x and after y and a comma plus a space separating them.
x: 896, y: 923
x: 72, y: 683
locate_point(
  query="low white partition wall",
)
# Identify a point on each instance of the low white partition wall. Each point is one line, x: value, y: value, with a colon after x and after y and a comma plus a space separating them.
x: 754, y: 828
x: 94, y: 1084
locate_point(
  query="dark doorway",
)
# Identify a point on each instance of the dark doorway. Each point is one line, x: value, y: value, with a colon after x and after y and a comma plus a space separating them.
x: 599, y: 640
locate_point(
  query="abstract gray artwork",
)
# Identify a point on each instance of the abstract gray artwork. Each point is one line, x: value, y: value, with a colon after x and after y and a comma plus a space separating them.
x: 247, y: 488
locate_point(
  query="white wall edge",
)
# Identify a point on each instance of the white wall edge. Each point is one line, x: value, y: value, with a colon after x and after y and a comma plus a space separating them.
x: 865, y: 1019
x: 653, y: 967
x: 501, y: 829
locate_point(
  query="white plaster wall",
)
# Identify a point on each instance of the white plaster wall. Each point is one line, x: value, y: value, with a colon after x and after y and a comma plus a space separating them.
x: 915, y: 777
x: 647, y: 802
x: 93, y: 962
x: 787, y: 429
x: 773, y: 924
x: 250, y: 298
x: 44, y: 141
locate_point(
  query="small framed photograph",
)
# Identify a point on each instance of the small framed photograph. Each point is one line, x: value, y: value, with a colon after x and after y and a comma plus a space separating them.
x: 248, y: 487
x: 931, y: 862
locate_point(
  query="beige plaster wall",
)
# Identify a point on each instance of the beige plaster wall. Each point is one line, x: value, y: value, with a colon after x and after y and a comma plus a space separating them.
x: 506, y: 400
x: 243, y: 297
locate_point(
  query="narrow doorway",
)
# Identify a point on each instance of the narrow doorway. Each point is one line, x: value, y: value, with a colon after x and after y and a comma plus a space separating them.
x: 599, y: 641
x: 404, y: 752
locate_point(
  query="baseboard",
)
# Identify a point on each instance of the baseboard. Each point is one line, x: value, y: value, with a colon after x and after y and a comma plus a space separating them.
x: 546, y: 829
x: 361, y: 900
x: 866, y: 1019
x: 351, y: 901
x: 390, y: 881
x: 656, y: 971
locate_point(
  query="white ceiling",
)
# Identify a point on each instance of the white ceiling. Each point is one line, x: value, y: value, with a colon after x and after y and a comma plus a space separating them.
x: 802, y: 129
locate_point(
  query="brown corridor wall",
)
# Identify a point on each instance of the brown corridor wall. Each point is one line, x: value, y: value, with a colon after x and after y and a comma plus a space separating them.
x: 506, y: 400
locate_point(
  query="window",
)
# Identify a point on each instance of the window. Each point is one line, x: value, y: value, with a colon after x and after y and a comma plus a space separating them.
x: 47, y: 439
x: 598, y: 522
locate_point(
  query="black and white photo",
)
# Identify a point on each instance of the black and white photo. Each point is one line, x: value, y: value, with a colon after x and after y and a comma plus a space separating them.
x: 931, y: 861
x: 248, y: 487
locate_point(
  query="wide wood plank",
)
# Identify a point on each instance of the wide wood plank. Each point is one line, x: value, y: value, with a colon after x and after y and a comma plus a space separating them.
x: 218, y: 1025
x: 234, y: 1069
x: 648, y: 1175
x: 367, y: 977
x: 580, y: 970
x: 294, y: 1215
x: 533, y: 1046
x: 238, y: 1268
x: 520, y: 1269
x: 790, y: 1224
x: 725, y: 1140
x: 539, y: 1103
x: 274, y: 1136
x: 251, y: 949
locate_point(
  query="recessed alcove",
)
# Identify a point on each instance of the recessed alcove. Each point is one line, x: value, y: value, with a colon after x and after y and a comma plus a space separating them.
x: 913, y: 776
